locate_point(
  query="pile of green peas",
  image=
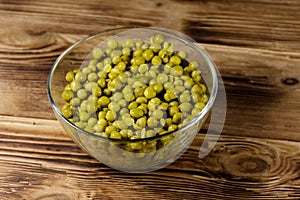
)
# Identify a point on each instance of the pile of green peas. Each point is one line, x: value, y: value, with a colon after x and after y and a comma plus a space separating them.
x: 134, y: 89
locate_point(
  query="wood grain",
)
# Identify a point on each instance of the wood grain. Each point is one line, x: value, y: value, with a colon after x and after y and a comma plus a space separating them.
x: 38, y: 161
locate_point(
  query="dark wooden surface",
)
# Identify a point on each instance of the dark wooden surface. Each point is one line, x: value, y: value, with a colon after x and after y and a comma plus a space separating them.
x: 254, y: 43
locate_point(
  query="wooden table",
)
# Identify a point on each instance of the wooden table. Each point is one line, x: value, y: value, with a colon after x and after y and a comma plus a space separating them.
x: 254, y: 43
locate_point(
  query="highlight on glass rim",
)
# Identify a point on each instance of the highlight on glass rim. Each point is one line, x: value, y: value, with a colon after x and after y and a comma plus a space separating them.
x: 134, y: 98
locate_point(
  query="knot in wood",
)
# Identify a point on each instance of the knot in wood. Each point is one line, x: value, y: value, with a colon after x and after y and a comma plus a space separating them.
x: 290, y: 81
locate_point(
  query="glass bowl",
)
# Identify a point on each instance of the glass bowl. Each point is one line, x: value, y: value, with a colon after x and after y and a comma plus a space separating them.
x: 114, y: 152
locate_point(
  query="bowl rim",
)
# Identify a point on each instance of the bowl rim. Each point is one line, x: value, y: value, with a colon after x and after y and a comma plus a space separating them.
x: 169, y: 32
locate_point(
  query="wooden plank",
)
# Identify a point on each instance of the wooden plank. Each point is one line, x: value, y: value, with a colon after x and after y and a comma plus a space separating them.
x: 38, y: 161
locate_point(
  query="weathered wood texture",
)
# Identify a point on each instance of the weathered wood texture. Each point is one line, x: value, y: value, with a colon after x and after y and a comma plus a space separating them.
x: 38, y: 161
x: 254, y: 43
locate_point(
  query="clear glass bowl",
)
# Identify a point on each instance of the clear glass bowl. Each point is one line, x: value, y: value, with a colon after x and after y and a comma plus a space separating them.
x: 113, y: 152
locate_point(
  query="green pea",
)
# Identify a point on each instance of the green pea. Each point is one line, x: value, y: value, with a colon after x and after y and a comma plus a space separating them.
x: 172, y: 127
x: 129, y: 43
x: 143, y: 107
x: 141, y: 121
x: 129, y: 96
x: 148, y: 54
x: 89, y: 86
x: 91, y: 107
x: 155, y: 47
x: 174, y: 103
x: 200, y: 105
x: 133, y: 105
x: 173, y: 110
x: 81, y: 94
x: 204, y: 98
x: 101, y: 115
x: 110, y: 115
x: 92, y: 121
x: 107, y: 92
x: 115, y: 135
x: 75, y: 85
x: 158, y: 114
x: 185, y: 107
x: 164, y: 106
x: 84, y: 116
x: 126, y: 51
x: 67, y: 95
x: 162, y: 78
x: 110, y: 129
x: 145, y: 46
x: 121, y: 66
x: 120, y: 124
x: 176, y: 70
x: 69, y: 76
x: 80, y: 77
x: 141, y: 100
x: 129, y: 121
x: 143, y: 68
x: 97, y: 53
x: 112, y: 44
x: 99, y: 65
x: 139, y: 91
x: 152, y: 122
x: 67, y: 111
x: 115, y: 107
x: 177, y: 117
x: 158, y: 88
x: 175, y: 60
x: 185, y: 97
x: 103, y: 101
x: 149, y: 92
x: 75, y: 102
x: 137, y: 60
x: 156, y: 60
x: 136, y: 112
x: 158, y: 38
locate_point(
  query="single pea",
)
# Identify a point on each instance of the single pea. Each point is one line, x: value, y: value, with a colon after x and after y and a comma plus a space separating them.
x: 171, y: 49
x: 80, y: 124
x: 168, y: 122
x: 113, y: 106
x: 174, y: 103
x: 112, y: 44
x: 176, y: 60
x: 199, y: 105
x: 143, y: 68
x: 158, y: 88
x: 185, y: 97
x: 103, y: 101
x: 137, y: 60
x: 167, y: 68
x: 89, y: 86
x: 128, y: 42
x: 107, y: 64
x: 84, y: 116
x: 99, y: 128
x: 101, y: 115
x: 67, y: 111
x: 158, y: 114
x: 99, y: 65
x: 155, y: 47
x: 141, y: 121
x: 156, y: 60
x: 68, y: 87
x: 69, y: 76
x: 121, y: 66
x: 80, y: 77
x: 148, y: 54
x: 152, y: 122
x: 135, y: 145
x: 92, y: 121
x: 126, y: 51
x: 91, y: 107
x: 185, y: 107
x: 173, y: 110
x: 149, y: 92
x: 195, y: 112
x: 115, y: 135
x: 133, y: 105
x: 75, y: 102
x: 136, y: 112
x: 158, y: 38
x: 75, y: 85
x: 139, y: 92
x: 97, y: 53
x: 129, y: 96
x: 162, y: 78
x: 141, y: 100
x: 129, y: 121
x: 124, y: 134
x: 110, y: 115
x: 139, y: 44
x: 67, y: 95
x: 203, y: 87
x: 164, y: 106
x: 138, y: 52
x: 81, y: 93
x: 204, y: 98
x: 177, y: 117
x: 176, y: 70
x: 102, y: 74
x: 172, y: 127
